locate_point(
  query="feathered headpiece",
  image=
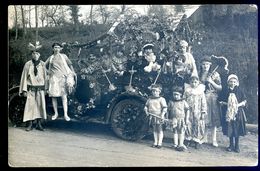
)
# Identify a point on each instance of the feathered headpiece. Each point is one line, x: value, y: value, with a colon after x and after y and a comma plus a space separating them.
x: 35, y: 47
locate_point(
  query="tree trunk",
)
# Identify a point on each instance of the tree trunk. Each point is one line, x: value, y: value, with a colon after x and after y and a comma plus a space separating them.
x: 30, y: 17
x: 123, y: 7
x: 36, y: 24
x: 16, y: 25
x: 90, y: 15
x: 102, y: 14
x: 53, y: 19
x: 23, y: 23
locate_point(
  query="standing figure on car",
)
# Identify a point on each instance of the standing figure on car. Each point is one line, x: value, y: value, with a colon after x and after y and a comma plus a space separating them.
x: 59, y: 70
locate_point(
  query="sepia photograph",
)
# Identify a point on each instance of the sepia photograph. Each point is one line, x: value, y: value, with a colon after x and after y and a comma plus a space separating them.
x: 133, y: 85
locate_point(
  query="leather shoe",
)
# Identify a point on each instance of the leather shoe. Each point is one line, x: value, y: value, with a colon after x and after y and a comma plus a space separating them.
x: 229, y: 149
x: 159, y: 146
x: 29, y: 128
x: 237, y: 150
x: 40, y: 128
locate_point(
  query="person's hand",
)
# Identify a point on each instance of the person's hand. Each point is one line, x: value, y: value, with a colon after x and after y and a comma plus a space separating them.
x: 209, y: 79
x: 70, y: 89
x: 242, y: 104
x: 24, y: 94
x: 222, y: 103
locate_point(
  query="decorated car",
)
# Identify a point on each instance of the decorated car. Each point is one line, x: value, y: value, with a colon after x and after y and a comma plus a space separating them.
x: 115, y: 71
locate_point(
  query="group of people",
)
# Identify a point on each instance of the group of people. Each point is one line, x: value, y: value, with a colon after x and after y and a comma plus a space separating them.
x: 198, y: 108
x: 39, y: 78
x: 193, y: 111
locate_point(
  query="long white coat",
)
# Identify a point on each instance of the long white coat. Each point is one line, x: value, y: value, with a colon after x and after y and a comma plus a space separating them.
x: 35, y: 106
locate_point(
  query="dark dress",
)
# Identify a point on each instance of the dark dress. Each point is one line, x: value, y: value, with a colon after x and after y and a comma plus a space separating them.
x: 213, y: 109
x: 234, y: 128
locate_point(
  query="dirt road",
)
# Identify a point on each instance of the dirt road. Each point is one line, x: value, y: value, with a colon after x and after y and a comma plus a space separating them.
x: 80, y: 145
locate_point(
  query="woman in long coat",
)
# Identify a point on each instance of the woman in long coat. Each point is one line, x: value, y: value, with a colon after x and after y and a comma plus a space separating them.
x: 32, y: 86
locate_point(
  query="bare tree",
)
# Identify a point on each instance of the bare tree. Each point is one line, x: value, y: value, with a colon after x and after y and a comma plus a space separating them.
x: 29, y: 15
x: 179, y: 9
x: 74, y: 10
x: 91, y: 14
x: 123, y: 8
x: 36, y: 24
x: 158, y: 11
x: 51, y: 11
x: 16, y: 23
x: 43, y: 15
x: 23, y: 22
x: 104, y: 13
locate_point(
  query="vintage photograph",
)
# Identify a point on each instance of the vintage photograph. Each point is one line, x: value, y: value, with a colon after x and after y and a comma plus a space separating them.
x: 133, y: 85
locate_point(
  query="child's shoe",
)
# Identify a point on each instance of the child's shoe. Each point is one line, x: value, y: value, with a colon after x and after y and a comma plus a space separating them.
x: 237, y: 150
x: 174, y: 146
x: 154, y: 146
x: 215, y: 144
x: 229, y: 148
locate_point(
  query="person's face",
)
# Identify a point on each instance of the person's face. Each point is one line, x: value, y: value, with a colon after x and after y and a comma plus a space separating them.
x: 183, y: 49
x: 194, y: 83
x: 57, y: 49
x: 176, y: 96
x: 206, y: 65
x: 148, y: 51
x: 119, y: 53
x: 232, y: 83
x: 156, y: 92
x: 35, y: 56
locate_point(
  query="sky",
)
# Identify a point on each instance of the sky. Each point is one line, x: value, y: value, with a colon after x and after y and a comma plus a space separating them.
x: 142, y: 9
x: 84, y: 10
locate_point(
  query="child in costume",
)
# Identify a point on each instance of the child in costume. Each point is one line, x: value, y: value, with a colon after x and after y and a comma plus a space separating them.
x: 178, y: 112
x: 233, y: 100
x: 156, y: 107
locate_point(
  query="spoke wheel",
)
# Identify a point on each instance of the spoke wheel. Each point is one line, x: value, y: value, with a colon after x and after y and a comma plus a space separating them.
x: 16, y: 109
x: 128, y: 120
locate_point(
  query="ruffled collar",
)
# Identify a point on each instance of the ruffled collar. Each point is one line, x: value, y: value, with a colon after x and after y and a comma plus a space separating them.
x: 195, y: 91
x: 152, y: 97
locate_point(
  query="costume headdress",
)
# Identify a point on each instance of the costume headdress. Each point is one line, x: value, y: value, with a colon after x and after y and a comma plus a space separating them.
x: 35, y: 47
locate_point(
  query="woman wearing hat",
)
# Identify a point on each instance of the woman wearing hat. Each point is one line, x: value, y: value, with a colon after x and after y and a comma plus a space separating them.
x: 151, y: 58
x: 183, y: 50
x: 32, y: 86
x: 59, y: 68
x: 233, y: 100
x: 212, y: 82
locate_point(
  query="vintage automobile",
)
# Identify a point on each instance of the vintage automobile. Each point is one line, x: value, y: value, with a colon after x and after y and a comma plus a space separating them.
x: 112, y: 88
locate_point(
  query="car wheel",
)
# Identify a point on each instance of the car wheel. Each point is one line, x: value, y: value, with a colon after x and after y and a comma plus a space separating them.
x: 128, y: 119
